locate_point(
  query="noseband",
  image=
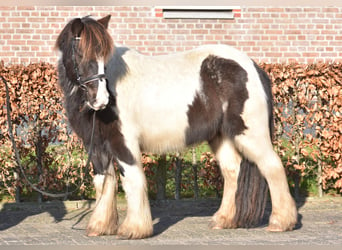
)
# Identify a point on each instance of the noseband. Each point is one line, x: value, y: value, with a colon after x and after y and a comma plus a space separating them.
x: 82, y: 83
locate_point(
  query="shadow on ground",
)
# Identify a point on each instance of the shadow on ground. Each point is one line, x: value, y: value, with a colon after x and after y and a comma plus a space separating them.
x: 165, y: 213
x: 12, y: 214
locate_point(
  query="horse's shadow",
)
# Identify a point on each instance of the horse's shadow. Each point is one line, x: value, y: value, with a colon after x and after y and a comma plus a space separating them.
x: 168, y: 213
x: 12, y: 214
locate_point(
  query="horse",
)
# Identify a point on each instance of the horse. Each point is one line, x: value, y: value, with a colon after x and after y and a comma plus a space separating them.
x: 136, y: 103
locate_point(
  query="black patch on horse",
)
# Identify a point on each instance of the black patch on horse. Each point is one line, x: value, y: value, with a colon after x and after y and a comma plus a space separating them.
x: 108, y: 141
x: 218, y: 108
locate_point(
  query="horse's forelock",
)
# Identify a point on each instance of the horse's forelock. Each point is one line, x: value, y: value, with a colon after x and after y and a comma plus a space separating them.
x: 95, y: 41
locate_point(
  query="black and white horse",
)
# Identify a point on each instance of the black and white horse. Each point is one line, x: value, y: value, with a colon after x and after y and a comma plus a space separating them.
x: 164, y: 103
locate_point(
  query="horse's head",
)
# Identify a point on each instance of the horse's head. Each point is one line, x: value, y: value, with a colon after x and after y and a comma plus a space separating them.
x: 86, y: 46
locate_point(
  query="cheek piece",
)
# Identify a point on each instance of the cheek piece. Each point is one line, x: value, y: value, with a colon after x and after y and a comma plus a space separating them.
x: 82, y: 83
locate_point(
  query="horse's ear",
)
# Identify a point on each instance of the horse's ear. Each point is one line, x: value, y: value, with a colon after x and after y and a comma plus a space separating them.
x: 77, y: 27
x: 105, y: 21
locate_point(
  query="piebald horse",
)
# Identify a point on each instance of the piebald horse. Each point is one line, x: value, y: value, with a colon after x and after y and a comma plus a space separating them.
x: 213, y: 93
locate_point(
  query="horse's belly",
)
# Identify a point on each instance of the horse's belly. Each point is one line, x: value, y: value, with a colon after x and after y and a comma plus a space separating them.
x: 162, y: 142
x: 163, y: 133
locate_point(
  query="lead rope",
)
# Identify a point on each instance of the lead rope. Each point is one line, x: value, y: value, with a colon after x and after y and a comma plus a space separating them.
x: 16, y: 152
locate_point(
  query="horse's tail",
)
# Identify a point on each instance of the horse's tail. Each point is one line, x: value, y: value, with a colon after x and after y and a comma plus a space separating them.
x: 252, y: 193
x: 251, y: 196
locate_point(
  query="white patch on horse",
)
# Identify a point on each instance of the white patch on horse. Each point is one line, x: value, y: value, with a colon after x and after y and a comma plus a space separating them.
x: 73, y: 91
x: 102, y: 96
x: 98, y: 183
x: 163, y: 87
x: 201, y: 93
x: 59, y: 54
x: 133, y: 180
x: 224, y: 107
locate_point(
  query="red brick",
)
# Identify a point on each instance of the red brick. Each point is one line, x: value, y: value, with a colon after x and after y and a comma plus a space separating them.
x: 25, y: 54
x: 256, y: 9
x: 159, y: 14
x: 256, y: 54
x: 330, y: 32
x: 265, y: 43
x: 273, y: 54
x: 310, y: 54
x: 84, y: 8
x: 274, y: 32
x: 64, y: 8
x: 16, y: 42
x: 16, y: 19
x: 320, y: 20
x: 311, y: 9
x: 331, y: 9
x: 329, y: 54
x: 213, y: 31
x: 55, y: 20
x: 25, y: 8
x: 293, y: 9
x: 7, y: 8
x: 246, y: 43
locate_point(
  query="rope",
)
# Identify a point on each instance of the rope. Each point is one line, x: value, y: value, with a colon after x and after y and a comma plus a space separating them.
x: 16, y: 152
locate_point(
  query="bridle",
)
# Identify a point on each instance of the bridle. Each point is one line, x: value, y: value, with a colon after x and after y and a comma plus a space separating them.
x: 82, y: 83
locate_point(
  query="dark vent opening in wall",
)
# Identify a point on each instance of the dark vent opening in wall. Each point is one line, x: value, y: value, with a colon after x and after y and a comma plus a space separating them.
x: 198, y: 12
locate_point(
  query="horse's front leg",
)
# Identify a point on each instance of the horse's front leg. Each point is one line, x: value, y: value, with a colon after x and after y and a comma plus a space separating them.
x: 138, y: 221
x: 104, y: 220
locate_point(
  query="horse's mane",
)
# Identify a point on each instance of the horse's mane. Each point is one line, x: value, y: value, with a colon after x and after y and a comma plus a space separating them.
x: 95, y: 42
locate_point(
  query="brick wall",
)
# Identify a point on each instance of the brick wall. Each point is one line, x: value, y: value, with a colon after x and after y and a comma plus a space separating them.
x: 282, y: 34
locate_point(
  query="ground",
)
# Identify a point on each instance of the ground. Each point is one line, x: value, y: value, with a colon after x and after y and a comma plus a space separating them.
x: 184, y: 222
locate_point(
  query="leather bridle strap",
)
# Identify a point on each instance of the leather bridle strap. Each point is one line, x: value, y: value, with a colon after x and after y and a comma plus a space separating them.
x: 93, y: 78
x: 82, y: 83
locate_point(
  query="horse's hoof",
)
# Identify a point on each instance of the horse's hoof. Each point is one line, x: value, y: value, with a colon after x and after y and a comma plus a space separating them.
x: 274, y: 228
x: 133, y: 233
x: 92, y: 234
x: 98, y: 229
x: 220, y: 221
x: 282, y: 223
x: 216, y: 227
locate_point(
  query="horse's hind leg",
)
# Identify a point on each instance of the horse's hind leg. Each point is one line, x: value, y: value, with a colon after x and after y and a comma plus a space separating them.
x: 257, y: 147
x: 104, y: 220
x: 229, y: 160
